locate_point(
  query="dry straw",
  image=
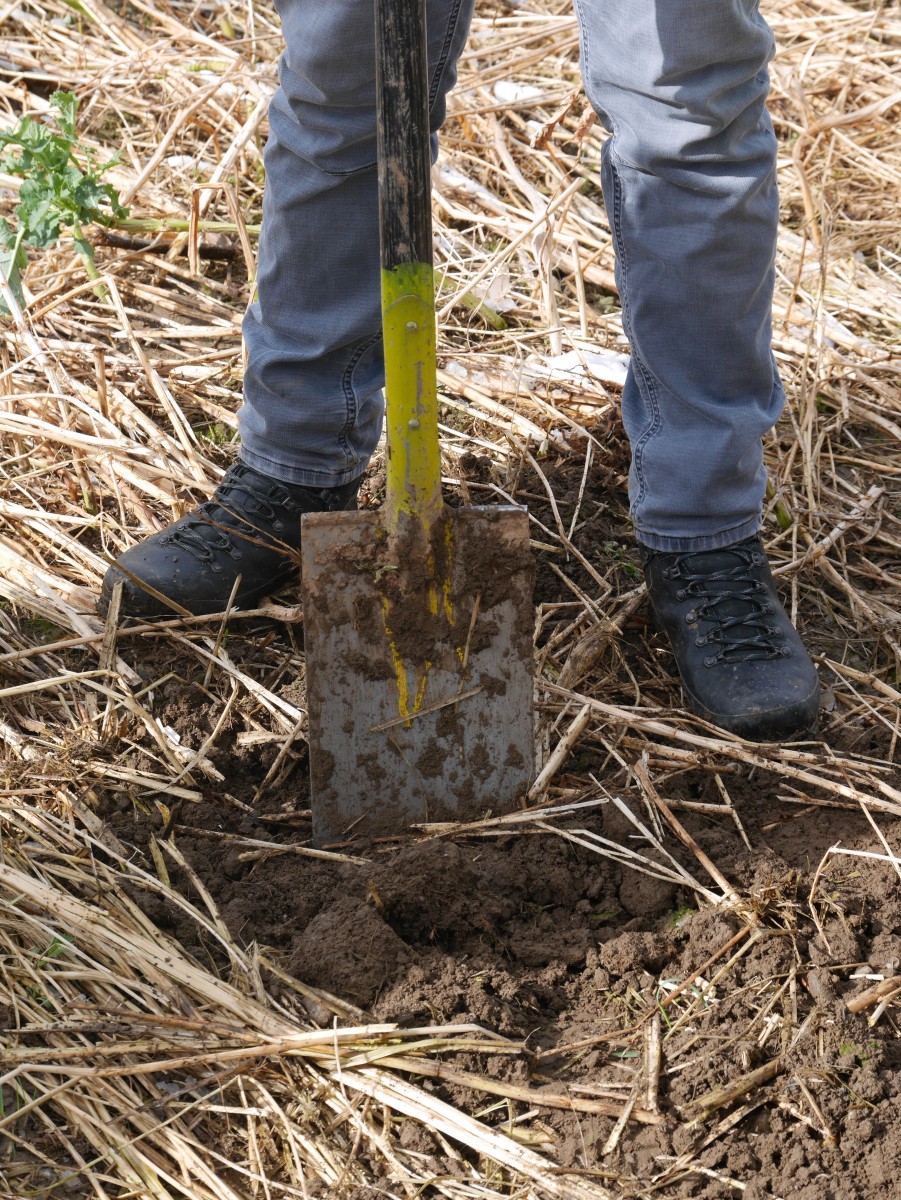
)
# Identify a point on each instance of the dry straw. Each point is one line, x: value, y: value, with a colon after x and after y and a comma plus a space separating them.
x: 128, y: 1067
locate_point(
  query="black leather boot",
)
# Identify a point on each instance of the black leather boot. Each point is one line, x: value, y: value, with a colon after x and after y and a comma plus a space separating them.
x: 742, y: 663
x: 250, y: 527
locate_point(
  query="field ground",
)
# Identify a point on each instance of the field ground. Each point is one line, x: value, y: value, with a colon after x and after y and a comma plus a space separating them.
x: 675, y: 972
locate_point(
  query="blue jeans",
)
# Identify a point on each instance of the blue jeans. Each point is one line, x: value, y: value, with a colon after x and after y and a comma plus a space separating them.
x: 690, y: 187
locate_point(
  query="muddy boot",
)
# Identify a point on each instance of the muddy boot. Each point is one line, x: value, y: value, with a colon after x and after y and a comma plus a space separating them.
x: 742, y: 663
x: 251, y: 528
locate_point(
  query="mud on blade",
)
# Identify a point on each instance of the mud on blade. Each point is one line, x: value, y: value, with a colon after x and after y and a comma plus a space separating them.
x: 419, y: 670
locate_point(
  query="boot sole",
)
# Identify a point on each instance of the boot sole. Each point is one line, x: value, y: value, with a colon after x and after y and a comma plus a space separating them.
x: 245, y: 600
x: 803, y: 733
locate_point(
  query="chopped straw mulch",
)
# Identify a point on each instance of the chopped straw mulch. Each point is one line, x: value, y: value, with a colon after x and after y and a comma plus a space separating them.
x: 144, y: 1057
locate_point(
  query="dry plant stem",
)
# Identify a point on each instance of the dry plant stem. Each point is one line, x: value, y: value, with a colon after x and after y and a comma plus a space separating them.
x: 653, y: 1053
x: 881, y: 1007
x: 781, y: 760
x: 278, y: 762
x: 701, y: 1108
x: 273, y: 612
x: 222, y: 627
x: 824, y: 1127
x: 199, y: 759
x: 811, y: 904
x: 820, y: 548
x: 886, y: 989
x: 542, y: 1097
x: 560, y: 753
x: 450, y: 1121
x: 501, y: 256
x: 270, y: 847
x: 145, y: 586
x: 685, y: 837
x: 617, y: 1131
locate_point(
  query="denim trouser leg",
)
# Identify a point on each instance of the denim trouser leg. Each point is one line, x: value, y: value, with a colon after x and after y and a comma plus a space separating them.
x: 313, y: 406
x: 689, y: 181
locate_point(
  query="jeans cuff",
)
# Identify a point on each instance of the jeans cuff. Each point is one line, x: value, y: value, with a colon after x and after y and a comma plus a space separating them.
x: 300, y: 476
x: 707, y: 541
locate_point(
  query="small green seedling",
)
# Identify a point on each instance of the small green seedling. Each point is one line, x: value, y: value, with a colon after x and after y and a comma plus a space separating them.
x: 602, y: 916
x: 861, y: 1053
x: 62, y: 189
x: 58, y: 945
x: 679, y: 916
x: 618, y: 554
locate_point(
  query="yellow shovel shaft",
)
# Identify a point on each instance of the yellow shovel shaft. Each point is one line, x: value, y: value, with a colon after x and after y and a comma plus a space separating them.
x: 414, y: 460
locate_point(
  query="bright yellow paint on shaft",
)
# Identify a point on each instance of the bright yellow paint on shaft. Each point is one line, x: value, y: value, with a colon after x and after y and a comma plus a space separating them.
x: 414, y: 461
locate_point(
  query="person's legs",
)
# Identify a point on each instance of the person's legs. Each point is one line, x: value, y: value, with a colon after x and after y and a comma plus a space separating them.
x: 313, y: 406
x: 312, y: 412
x: 689, y: 180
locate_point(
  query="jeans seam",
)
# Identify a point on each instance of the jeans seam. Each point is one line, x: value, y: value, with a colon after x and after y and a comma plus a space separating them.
x: 350, y: 396
x: 445, y: 52
x: 644, y: 375
x: 583, y: 35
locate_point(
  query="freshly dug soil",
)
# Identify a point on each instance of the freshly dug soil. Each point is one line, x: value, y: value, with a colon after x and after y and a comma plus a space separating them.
x: 543, y: 940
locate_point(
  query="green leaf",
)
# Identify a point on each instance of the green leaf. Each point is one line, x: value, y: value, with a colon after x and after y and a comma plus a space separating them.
x: 66, y: 105
x: 41, y: 220
x: 13, y: 261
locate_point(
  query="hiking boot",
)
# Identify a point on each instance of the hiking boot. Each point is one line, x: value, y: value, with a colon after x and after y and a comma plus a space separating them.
x: 742, y: 663
x: 250, y: 527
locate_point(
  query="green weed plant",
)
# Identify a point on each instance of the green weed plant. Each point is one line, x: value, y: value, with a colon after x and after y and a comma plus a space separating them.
x: 62, y: 191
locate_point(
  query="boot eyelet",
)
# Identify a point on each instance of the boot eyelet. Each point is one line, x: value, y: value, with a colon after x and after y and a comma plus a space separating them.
x: 278, y: 525
x: 680, y: 594
x: 691, y: 617
x: 217, y: 567
x: 701, y: 641
x: 236, y: 554
x: 711, y: 660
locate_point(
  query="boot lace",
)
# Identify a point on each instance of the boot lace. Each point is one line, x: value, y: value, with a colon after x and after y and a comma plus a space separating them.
x: 202, y: 534
x: 735, y: 603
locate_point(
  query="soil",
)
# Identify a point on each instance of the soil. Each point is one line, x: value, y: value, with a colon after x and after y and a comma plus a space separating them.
x: 542, y: 940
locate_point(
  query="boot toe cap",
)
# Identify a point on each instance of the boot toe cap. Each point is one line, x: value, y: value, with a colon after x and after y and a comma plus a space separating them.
x: 137, y: 601
x: 777, y: 702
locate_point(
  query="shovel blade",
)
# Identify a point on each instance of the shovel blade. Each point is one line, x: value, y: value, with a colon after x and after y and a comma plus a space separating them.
x: 419, y: 670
